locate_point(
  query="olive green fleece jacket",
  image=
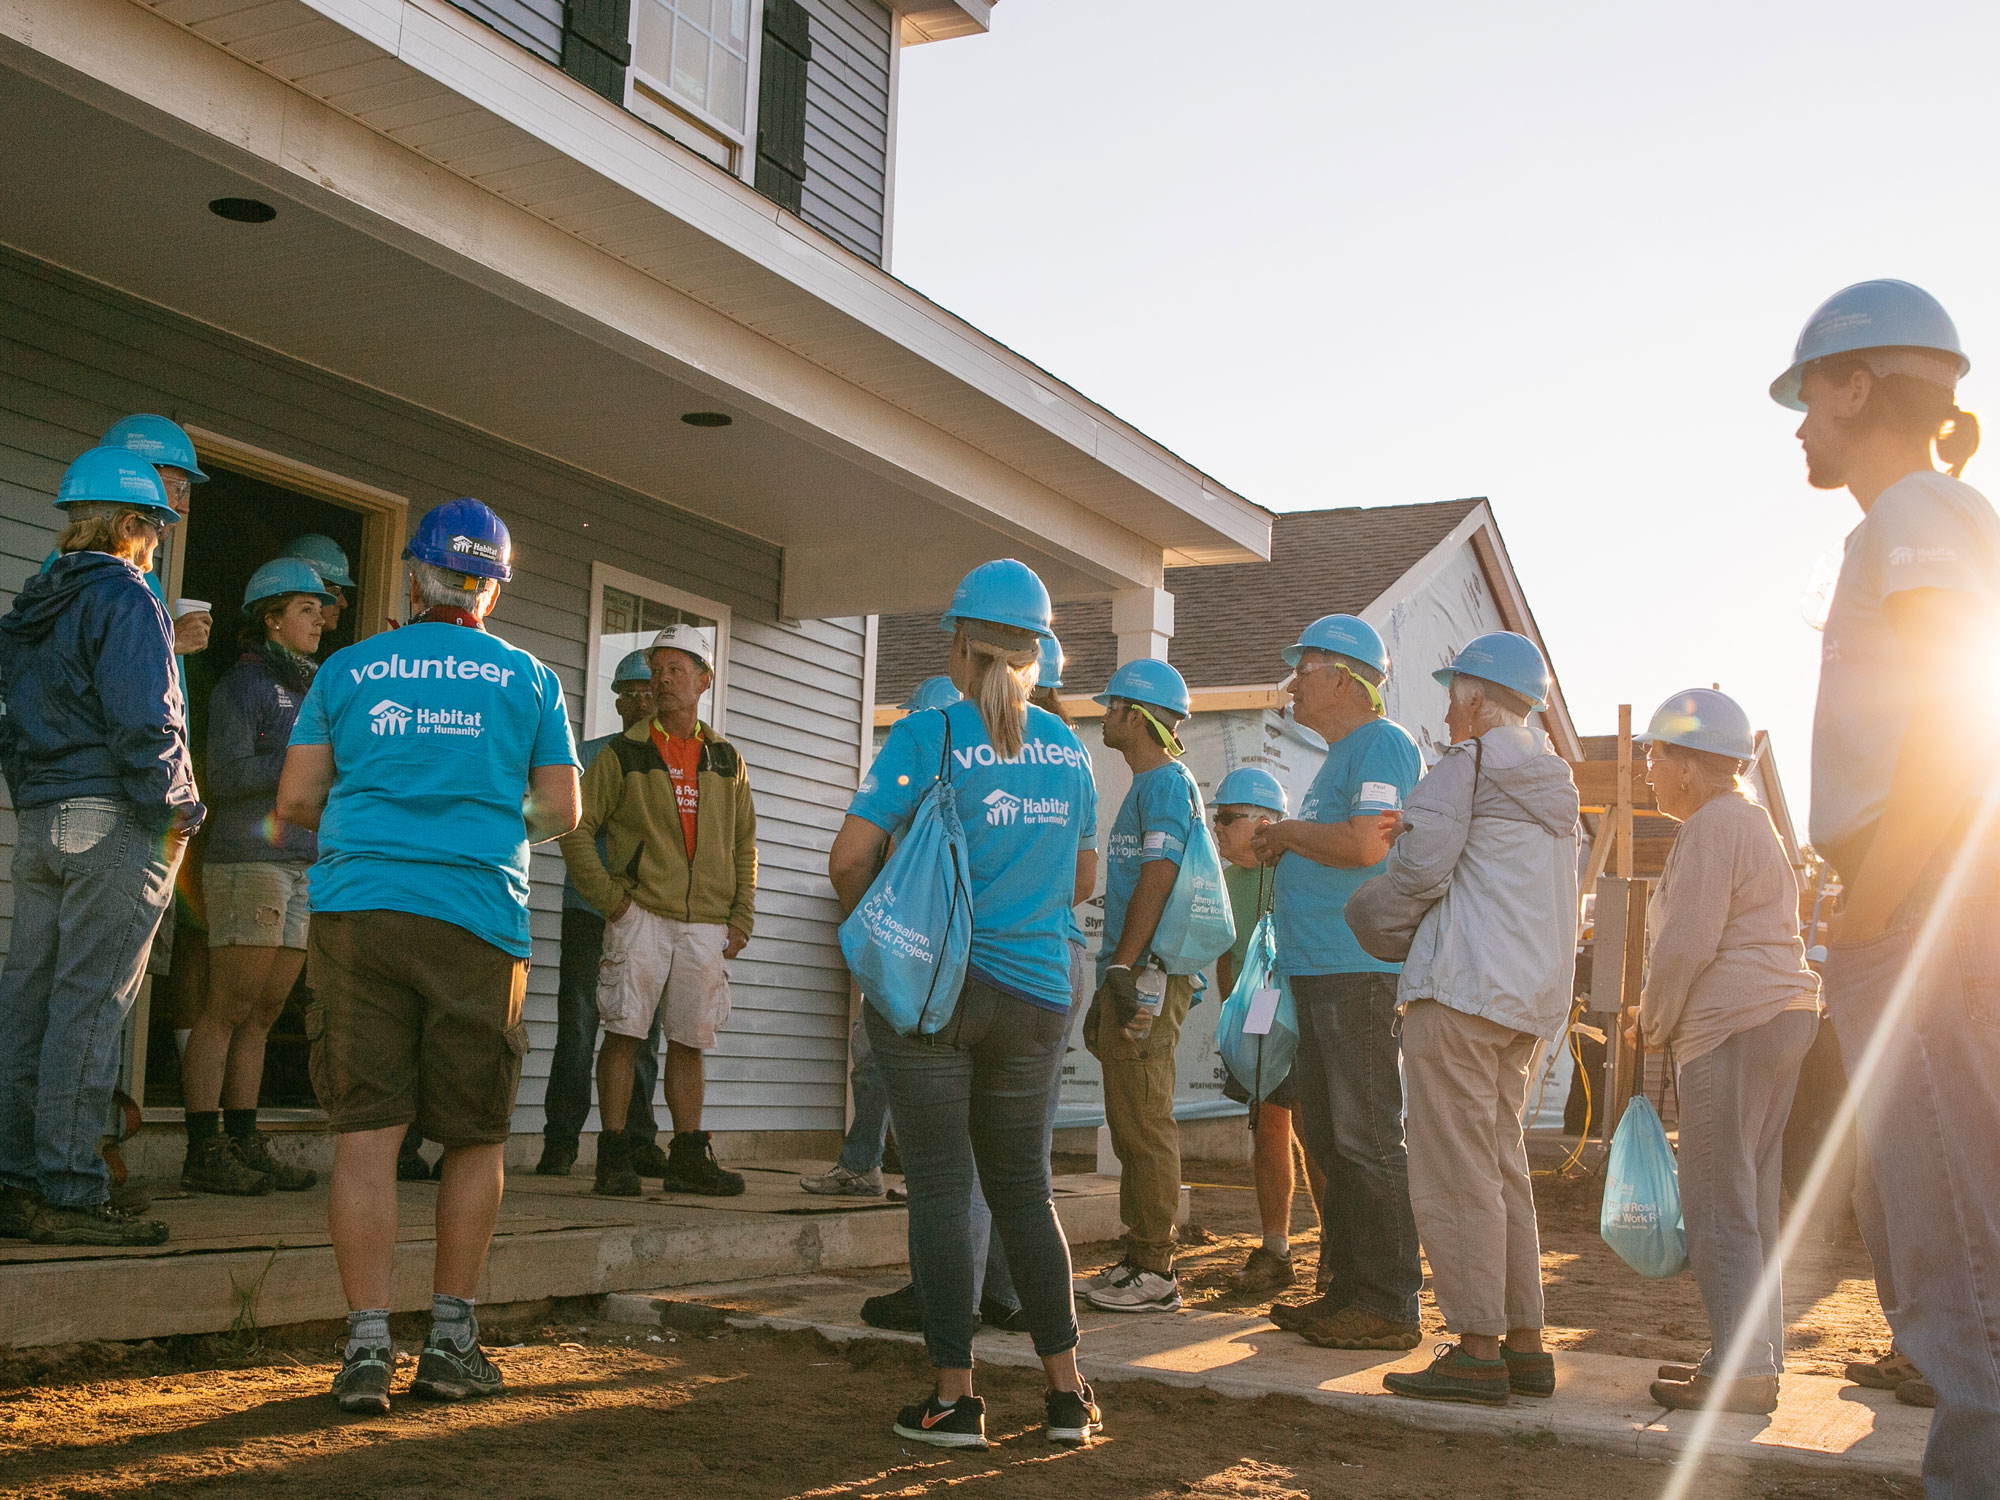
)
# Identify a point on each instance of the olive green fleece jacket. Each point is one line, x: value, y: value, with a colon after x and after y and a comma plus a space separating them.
x: 628, y: 793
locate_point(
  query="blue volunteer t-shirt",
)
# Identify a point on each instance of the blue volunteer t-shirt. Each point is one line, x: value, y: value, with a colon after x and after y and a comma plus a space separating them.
x: 434, y: 730
x: 1155, y: 821
x: 1371, y: 770
x: 1025, y: 819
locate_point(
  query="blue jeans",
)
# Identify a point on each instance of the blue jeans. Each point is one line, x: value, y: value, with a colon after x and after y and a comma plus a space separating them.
x: 1350, y: 1084
x: 1734, y: 1103
x: 90, y: 885
x: 566, y: 1105
x: 1930, y: 1125
x: 861, y: 1151
x: 974, y: 1100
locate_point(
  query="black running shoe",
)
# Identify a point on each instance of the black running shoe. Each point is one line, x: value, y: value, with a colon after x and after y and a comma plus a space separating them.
x: 1071, y: 1417
x: 445, y: 1373
x: 692, y: 1168
x: 962, y: 1424
x: 901, y: 1311
x: 362, y: 1385
x: 1007, y: 1319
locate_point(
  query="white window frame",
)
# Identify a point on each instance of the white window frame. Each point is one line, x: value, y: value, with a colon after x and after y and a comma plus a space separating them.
x: 654, y: 101
x: 603, y: 575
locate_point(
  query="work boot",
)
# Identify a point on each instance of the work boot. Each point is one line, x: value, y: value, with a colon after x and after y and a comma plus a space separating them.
x: 615, y: 1177
x: 128, y: 1197
x: 1358, y: 1328
x: 1264, y: 1271
x: 1453, y: 1376
x: 1675, y: 1371
x: 692, y: 1168
x: 256, y: 1153
x: 1883, y: 1374
x: 1917, y: 1391
x: 1753, y: 1395
x: 216, y: 1165
x: 1292, y: 1316
x: 648, y: 1160
x: 98, y: 1224
x: 556, y: 1160
x: 411, y: 1167
x: 17, y: 1211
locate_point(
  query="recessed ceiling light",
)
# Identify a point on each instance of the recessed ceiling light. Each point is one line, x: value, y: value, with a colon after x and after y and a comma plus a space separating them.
x: 243, y: 210
x: 707, y: 418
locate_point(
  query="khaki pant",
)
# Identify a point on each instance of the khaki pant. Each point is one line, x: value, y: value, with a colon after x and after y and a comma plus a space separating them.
x: 1469, y: 1185
x: 1139, y: 1108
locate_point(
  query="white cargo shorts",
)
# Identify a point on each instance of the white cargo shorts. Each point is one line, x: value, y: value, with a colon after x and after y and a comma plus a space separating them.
x: 651, y: 962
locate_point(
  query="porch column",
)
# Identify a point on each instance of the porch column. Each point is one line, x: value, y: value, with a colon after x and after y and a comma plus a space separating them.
x: 1143, y: 621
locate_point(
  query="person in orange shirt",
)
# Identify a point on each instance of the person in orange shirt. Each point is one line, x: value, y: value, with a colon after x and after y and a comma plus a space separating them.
x: 677, y: 884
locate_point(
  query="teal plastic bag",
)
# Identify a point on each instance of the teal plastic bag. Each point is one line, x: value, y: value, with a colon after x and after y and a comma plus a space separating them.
x: 1197, y: 926
x: 1641, y: 1217
x: 908, y: 942
x: 1258, y: 1063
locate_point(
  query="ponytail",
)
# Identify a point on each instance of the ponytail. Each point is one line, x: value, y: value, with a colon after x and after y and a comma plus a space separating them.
x: 1005, y: 662
x: 1958, y: 440
x: 1051, y: 700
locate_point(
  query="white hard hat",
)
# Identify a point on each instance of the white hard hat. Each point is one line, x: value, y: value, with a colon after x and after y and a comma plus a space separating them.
x: 684, y: 638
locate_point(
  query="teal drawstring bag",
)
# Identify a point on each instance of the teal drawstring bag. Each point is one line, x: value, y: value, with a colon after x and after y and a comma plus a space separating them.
x: 1197, y: 926
x: 1258, y: 1063
x: 1641, y: 1217
x: 908, y: 942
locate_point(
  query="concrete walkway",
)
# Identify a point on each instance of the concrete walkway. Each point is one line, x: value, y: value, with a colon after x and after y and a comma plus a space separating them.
x: 1600, y: 1401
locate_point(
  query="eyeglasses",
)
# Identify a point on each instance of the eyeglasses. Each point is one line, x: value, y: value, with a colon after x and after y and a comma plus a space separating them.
x: 1224, y: 819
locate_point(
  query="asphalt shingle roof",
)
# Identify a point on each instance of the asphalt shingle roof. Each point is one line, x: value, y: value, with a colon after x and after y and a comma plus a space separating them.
x: 1230, y: 622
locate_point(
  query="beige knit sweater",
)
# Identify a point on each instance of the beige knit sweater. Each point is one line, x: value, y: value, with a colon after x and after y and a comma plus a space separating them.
x: 1723, y: 948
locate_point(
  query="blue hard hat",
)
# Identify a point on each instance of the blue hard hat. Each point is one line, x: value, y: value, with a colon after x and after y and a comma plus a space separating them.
x: 1703, y: 719
x: 284, y: 575
x: 932, y: 692
x: 115, y: 476
x: 327, y: 557
x: 1002, y: 592
x: 1048, y: 672
x: 156, y: 440
x: 1344, y: 635
x: 1870, y: 315
x: 633, y: 667
x: 1154, y: 683
x: 1513, y: 661
x: 1252, y: 786
x: 466, y: 537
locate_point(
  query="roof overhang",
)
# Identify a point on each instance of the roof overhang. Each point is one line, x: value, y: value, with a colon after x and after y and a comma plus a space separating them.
x: 941, y: 20
x: 466, y: 228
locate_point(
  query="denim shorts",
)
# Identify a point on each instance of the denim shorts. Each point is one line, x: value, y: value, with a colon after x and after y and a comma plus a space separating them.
x: 256, y: 905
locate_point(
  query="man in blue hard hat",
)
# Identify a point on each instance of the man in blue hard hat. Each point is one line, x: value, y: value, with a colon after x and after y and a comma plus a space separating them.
x: 566, y: 1105
x: 93, y: 744
x: 1485, y: 985
x: 427, y: 759
x: 1135, y: 1020
x: 1348, y: 1065
x: 1901, y: 807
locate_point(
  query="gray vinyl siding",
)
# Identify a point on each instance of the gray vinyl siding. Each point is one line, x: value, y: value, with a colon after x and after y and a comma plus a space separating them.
x: 75, y: 356
x: 535, y: 24
x: 847, y: 122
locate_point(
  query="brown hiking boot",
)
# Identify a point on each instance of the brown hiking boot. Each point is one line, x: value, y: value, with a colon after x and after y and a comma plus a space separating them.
x: 217, y: 1166
x: 1883, y: 1374
x: 1672, y: 1371
x: 256, y: 1154
x: 1292, y: 1316
x: 1917, y: 1391
x: 1753, y: 1395
x: 1358, y: 1328
x: 1264, y: 1272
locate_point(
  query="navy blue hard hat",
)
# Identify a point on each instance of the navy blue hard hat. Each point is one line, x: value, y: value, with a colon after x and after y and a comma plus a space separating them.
x: 465, y: 536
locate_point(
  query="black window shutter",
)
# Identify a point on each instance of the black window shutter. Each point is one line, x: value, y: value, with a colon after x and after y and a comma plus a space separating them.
x: 597, y: 44
x: 781, y: 103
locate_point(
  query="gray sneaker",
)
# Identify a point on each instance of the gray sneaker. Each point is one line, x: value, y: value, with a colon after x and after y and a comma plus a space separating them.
x: 1136, y: 1291
x: 842, y: 1183
x: 448, y: 1374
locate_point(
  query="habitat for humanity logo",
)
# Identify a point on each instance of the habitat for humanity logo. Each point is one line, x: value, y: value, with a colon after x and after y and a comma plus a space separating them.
x: 1002, y: 808
x: 1005, y: 808
x: 389, y: 717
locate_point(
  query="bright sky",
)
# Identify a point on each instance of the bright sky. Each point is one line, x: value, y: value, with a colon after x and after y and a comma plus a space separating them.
x: 1550, y: 254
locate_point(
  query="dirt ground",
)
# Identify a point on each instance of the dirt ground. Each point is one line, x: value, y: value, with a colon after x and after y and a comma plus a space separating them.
x: 1595, y: 1301
x: 602, y: 1409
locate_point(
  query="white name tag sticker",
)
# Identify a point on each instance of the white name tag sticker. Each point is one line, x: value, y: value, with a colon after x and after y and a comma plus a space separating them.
x: 1380, y: 791
x: 1155, y: 841
x: 1263, y: 1010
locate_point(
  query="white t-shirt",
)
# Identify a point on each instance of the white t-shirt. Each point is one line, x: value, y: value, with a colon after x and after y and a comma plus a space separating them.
x: 1925, y: 531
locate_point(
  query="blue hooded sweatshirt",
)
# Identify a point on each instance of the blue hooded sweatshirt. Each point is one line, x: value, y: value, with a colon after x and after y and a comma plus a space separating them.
x: 92, y: 705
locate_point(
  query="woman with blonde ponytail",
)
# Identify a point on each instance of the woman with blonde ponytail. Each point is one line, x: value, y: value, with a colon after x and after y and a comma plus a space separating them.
x: 971, y: 1103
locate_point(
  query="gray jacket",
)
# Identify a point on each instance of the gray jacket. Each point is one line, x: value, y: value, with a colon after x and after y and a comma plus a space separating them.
x: 1492, y: 871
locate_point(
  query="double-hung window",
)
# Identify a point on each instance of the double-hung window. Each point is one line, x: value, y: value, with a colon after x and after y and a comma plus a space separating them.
x: 627, y: 611
x: 694, y: 74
